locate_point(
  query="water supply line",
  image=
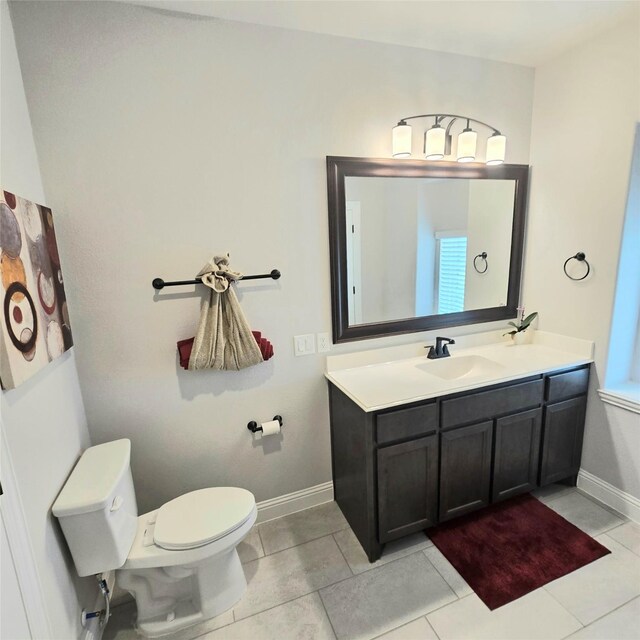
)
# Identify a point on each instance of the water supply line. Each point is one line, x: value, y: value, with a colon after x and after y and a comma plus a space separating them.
x: 102, y: 614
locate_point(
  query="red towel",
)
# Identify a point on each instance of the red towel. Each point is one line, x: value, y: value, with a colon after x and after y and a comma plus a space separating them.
x: 184, y: 350
x: 185, y: 346
x: 266, y: 348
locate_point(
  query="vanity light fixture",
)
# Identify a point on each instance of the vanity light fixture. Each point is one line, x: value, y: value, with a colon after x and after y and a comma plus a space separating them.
x: 438, y: 140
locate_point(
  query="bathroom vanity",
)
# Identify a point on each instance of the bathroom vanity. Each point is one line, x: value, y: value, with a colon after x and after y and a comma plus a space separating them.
x: 417, y: 442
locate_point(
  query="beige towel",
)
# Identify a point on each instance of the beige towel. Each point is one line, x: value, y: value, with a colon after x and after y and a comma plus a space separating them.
x: 224, y: 339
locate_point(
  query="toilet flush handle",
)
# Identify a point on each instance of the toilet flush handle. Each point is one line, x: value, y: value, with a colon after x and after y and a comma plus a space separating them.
x: 118, y: 501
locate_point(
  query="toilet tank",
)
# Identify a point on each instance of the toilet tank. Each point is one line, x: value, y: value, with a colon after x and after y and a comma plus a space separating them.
x: 97, y: 508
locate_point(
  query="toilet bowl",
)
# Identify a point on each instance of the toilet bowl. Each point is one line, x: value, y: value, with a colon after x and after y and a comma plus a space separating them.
x: 183, y: 567
x: 179, y: 562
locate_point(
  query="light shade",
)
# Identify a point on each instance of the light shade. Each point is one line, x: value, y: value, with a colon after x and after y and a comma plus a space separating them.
x: 434, y: 142
x: 401, y: 141
x: 496, y: 148
x: 467, y: 142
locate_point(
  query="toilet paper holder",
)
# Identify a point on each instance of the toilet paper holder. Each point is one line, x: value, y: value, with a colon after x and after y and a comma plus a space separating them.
x: 253, y: 426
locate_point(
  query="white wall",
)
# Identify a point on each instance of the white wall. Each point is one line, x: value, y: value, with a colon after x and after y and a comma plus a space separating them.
x: 44, y: 421
x: 163, y: 139
x: 585, y: 109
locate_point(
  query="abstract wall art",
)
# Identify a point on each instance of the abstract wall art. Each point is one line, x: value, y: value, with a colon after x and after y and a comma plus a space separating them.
x: 34, y: 315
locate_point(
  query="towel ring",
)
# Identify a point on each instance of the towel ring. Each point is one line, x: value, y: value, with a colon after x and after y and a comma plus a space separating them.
x: 580, y: 257
x: 482, y: 255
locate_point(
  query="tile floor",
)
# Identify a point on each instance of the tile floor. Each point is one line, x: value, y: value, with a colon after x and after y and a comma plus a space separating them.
x: 310, y: 580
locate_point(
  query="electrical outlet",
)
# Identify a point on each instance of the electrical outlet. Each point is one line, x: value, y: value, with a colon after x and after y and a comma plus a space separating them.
x: 304, y: 345
x: 323, y: 341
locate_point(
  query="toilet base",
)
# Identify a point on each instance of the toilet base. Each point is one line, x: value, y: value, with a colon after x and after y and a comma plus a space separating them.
x: 173, y: 598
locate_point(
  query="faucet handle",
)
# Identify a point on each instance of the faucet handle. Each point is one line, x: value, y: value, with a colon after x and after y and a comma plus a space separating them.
x: 432, y: 351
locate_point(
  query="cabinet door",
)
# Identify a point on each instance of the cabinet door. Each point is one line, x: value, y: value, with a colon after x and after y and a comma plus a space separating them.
x: 407, y: 487
x: 562, y: 440
x: 465, y: 469
x: 516, y: 457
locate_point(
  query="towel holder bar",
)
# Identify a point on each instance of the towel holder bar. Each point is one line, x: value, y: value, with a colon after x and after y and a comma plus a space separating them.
x: 159, y: 283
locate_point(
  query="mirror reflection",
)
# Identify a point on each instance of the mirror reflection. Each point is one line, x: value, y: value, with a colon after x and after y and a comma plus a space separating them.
x: 415, y: 246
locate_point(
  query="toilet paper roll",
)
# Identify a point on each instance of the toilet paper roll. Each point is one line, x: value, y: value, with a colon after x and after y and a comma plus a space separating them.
x: 270, y: 428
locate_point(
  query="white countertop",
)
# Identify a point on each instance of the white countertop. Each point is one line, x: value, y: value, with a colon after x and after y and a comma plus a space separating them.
x: 383, y: 378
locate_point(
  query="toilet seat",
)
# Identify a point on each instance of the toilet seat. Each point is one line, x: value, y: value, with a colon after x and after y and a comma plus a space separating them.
x: 145, y: 553
x: 201, y: 517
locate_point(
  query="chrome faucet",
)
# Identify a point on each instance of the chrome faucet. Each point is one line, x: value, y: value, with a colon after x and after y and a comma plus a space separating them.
x: 441, y: 350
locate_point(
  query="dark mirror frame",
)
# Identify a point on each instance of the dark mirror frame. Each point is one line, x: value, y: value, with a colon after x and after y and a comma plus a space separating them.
x: 339, y: 168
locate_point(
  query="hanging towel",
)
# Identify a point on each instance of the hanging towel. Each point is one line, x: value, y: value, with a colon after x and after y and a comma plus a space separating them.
x: 224, y: 339
x: 185, y: 347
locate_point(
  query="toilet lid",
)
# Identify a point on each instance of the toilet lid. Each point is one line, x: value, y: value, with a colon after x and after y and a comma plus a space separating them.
x: 202, y: 516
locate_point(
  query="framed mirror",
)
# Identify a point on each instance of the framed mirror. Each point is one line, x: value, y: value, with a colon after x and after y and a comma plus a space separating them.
x: 419, y: 245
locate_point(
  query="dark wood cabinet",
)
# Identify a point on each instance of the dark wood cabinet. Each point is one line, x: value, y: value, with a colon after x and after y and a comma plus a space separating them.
x: 516, y: 454
x: 465, y: 469
x: 562, y: 439
x: 404, y: 469
x: 407, y: 487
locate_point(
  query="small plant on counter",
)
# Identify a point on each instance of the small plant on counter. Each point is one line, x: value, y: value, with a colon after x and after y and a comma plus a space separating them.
x: 522, y: 323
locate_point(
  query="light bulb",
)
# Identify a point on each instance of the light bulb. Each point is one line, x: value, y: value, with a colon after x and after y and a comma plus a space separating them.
x: 434, y: 143
x: 401, y: 140
x: 496, y: 148
x: 467, y: 142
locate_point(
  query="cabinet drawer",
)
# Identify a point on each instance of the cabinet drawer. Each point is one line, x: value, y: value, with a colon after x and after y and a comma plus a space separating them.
x: 567, y: 385
x: 491, y: 404
x: 407, y: 423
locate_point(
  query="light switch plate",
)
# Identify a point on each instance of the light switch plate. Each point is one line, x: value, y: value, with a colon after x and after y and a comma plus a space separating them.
x: 304, y: 345
x: 323, y: 341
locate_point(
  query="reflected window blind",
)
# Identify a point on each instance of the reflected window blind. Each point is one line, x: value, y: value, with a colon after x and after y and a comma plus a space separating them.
x: 451, y: 274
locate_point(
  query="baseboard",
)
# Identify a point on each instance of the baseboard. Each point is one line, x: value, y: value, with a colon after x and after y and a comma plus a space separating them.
x: 293, y: 502
x: 622, y: 502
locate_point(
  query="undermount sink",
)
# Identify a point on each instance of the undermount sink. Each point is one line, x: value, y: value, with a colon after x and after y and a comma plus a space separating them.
x: 454, y: 367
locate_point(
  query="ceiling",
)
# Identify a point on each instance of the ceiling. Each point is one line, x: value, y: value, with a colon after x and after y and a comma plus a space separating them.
x: 526, y: 32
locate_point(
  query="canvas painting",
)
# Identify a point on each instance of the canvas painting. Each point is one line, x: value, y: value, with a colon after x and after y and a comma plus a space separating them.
x: 35, y: 318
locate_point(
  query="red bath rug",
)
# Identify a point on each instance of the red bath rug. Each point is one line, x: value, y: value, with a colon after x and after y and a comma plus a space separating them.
x: 513, y: 547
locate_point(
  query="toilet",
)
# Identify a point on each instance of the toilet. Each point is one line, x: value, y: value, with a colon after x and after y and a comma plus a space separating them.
x: 179, y: 562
